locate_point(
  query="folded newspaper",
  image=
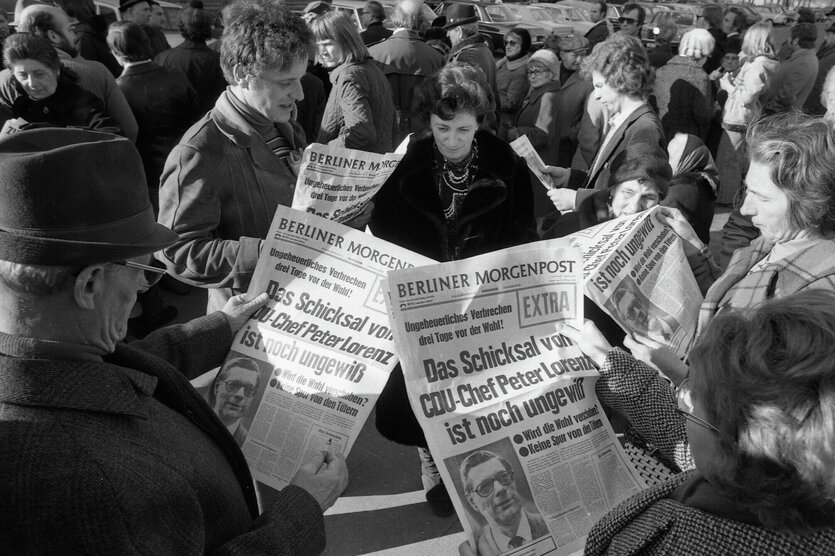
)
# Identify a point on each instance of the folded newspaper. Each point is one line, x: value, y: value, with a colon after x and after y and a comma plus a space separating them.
x: 636, y: 271
x: 508, y: 406
x: 337, y: 183
x: 306, y: 369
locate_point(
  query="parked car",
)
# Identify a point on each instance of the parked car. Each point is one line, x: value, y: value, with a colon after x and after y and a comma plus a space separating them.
x: 354, y: 10
x: 684, y: 15
x: 535, y: 16
x: 770, y: 15
x: 495, y: 20
x: 566, y: 15
x: 171, y: 28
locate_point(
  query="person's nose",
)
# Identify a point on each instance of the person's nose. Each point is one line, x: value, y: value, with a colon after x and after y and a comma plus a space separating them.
x: 633, y: 206
x: 747, y: 208
x: 297, y: 92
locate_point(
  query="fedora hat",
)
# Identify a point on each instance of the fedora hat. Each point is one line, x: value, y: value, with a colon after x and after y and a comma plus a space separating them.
x: 460, y: 14
x: 74, y: 197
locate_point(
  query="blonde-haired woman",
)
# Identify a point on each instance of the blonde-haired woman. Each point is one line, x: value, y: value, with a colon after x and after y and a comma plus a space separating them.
x: 359, y: 113
x: 682, y: 89
x: 759, y: 57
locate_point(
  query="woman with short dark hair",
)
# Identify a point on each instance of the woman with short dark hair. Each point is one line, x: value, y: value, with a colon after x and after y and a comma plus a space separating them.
x: 359, y: 113
x: 45, y: 92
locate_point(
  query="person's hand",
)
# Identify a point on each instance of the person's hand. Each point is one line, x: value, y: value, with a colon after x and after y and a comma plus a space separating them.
x: 715, y: 74
x: 563, y: 199
x: 658, y: 356
x: 559, y: 176
x: 589, y: 339
x: 324, y: 477
x: 360, y: 221
x: 466, y: 549
x: 675, y: 220
x: 239, y: 307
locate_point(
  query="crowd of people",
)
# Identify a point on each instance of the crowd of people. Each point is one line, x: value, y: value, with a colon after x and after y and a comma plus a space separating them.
x: 128, y: 165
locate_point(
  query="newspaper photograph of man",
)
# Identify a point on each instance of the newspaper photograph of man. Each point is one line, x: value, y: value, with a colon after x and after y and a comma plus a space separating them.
x: 503, y: 513
x: 236, y: 390
x: 634, y: 310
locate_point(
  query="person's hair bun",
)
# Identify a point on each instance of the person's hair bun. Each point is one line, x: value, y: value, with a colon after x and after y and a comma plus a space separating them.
x: 196, y: 4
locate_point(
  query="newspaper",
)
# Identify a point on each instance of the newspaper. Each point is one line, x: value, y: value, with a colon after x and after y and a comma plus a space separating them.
x: 306, y: 369
x: 636, y: 271
x: 338, y: 183
x: 523, y: 148
x: 508, y: 406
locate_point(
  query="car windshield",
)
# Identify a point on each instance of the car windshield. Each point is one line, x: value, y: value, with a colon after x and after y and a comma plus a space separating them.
x: 500, y: 13
x: 683, y: 19
x: 545, y: 13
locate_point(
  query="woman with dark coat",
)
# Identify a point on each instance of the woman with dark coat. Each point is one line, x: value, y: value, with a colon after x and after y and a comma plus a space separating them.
x: 458, y: 192
x: 45, y: 92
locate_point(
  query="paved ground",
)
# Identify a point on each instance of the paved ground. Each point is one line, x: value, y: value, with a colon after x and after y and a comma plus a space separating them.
x: 383, y: 512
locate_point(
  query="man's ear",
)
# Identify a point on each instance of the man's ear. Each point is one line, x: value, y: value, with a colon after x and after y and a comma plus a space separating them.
x: 52, y: 37
x: 240, y: 76
x: 88, y: 284
x: 469, y: 496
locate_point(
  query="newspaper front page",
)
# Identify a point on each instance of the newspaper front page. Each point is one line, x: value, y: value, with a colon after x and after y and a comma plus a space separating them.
x: 636, y: 271
x: 337, y: 183
x: 306, y: 369
x: 508, y: 406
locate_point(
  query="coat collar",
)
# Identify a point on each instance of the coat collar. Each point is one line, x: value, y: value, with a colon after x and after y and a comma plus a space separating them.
x: 233, y: 125
x: 535, y: 94
x: 140, y: 69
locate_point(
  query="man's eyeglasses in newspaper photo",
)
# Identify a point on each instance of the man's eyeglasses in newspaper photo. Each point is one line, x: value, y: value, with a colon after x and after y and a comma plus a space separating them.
x: 151, y: 274
x: 233, y: 386
x: 485, y: 488
x: 684, y: 400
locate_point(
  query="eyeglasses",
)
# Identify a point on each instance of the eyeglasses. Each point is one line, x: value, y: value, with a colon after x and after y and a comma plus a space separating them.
x: 485, y: 488
x: 233, y: 386
x: 511, y: 42
x: 684, y: 399
x: 151, y: 274
x: 537, y: 72
x: 629, y: 20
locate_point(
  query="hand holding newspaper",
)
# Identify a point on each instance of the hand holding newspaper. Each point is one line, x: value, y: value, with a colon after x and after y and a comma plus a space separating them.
x: 306, y: 369
x: 508, y: 405
x: 522, y: 146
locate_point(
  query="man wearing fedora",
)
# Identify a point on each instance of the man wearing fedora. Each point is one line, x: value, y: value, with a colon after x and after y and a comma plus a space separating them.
x: 137, y: 11
x: 105, y: 447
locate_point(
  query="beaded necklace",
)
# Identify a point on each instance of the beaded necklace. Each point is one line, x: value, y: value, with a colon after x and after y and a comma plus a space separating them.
x: 454, y: 179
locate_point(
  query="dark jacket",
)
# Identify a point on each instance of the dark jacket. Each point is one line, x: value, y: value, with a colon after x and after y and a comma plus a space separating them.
x: 201, y: 65
x: 683, y: 97
x: 123, y: 456
x: 164, y: 103
x: 69, y: 105
x: 406, y: 61
x: 660, y: 55
x: 359, y: 113
x: 573, y: 96
x: 92, y: 43
x: 598, y: 33
x: 497, y: 213
x: 219, y: 191
x: 374, y: 33
x: 157, y: 39
x: 642, y: 126
x: 826, y: 60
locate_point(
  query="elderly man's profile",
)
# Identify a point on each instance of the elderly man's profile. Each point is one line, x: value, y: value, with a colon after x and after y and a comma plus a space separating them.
x: 489, y: 483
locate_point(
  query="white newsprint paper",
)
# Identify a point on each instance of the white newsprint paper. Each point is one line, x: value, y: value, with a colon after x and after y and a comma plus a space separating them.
x: 337, y: 183
x: 306, y: 369
x: 507, y: 404
x: 636, y: 270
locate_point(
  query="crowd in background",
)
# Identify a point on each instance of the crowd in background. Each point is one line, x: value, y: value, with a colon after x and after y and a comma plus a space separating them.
x: 726, y: 117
